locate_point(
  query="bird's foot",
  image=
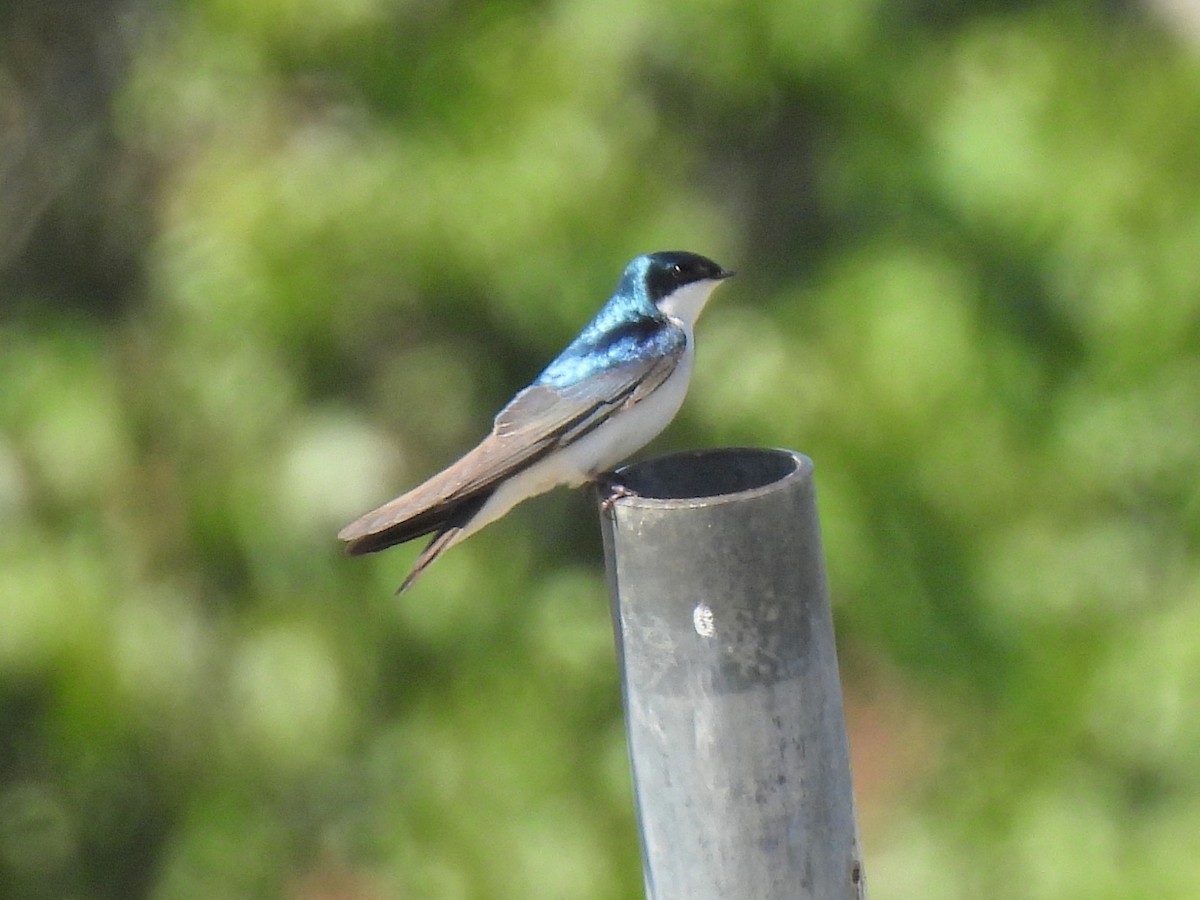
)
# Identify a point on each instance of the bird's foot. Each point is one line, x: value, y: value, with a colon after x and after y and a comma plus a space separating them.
x: 612, y: 490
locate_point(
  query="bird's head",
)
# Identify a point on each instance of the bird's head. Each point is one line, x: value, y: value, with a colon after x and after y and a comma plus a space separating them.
x: 677, y: 282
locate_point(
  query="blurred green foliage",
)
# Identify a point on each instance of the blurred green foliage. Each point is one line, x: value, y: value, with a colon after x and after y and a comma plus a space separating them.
x: 264, y: 264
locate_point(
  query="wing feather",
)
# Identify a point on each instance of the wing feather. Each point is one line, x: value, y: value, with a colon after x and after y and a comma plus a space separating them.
x: 537, y: 420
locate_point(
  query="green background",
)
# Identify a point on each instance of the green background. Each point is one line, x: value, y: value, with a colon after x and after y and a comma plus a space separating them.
x: 265, y: 264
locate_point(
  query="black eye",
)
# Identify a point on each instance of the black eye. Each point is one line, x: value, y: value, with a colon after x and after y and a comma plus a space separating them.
x: 678, y: 275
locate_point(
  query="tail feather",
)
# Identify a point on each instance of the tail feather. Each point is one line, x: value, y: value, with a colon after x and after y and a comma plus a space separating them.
x: 447, y: 524
x: 442, y: 541
x: 371, y: 537
x: 365, y: 536
x: 397, y: 533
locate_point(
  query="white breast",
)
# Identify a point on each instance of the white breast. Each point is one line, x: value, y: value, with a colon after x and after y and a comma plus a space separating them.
x: 600, y: 451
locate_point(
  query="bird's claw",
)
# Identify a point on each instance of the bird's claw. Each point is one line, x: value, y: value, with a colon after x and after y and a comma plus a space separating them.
x: 613, y: 491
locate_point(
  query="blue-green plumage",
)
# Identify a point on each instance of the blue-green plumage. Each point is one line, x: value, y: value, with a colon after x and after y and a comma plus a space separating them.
x: 630, y: 326
x: 602, y: 347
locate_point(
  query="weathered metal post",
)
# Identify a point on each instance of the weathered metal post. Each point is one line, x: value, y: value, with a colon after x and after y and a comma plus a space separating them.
x: 733, y: 705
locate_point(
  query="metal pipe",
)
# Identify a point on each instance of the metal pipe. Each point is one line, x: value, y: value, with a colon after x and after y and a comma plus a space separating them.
x: 733, y: 706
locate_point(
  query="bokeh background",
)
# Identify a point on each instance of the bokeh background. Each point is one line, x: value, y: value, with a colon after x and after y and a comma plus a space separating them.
x: 264, y: 264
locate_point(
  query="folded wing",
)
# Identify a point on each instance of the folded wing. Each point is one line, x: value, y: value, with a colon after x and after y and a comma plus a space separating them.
x: 538, y: 420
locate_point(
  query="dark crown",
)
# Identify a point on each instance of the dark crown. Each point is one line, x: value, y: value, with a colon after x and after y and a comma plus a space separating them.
x: 669, y: 270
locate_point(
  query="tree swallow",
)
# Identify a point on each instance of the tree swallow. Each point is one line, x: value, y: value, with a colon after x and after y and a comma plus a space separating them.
x: 614, y: 388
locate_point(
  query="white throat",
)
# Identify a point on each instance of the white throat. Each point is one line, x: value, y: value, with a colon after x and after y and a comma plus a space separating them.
x: 686, y: 303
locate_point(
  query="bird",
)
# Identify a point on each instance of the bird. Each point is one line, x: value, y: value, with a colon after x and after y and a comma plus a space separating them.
x: 614, y: 388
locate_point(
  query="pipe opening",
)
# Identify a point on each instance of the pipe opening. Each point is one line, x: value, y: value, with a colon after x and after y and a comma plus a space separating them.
x: 697, y: 474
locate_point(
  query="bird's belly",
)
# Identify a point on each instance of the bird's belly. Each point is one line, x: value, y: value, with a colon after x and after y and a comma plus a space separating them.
x: 627, y: 431
x: 622, y: 435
